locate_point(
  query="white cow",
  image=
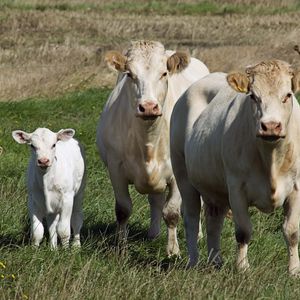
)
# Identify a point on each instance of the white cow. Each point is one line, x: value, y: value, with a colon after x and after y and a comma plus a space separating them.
x: 242, y: 150
x: 133, y: 131
x: 55, y: 182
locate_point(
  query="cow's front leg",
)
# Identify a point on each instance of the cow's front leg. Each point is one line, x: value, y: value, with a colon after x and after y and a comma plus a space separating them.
x: 243, y: 227
x: 291, y: 231
x: 52, y: 220
x: 157, y: 202
x: 36, y: 222
x: 64, y: 222
x: 171, y: 215
x: 123, y: 206
x: 214, y: 217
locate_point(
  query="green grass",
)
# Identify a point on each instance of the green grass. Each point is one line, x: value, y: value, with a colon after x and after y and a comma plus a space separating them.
x: 97, y: 271
x: 158, y: 7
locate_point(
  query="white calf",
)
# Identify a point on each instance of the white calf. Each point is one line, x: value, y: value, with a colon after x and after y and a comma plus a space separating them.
x: 55, y: 184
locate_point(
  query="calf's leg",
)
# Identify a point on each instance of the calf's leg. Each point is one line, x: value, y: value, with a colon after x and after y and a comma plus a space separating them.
x: 64, y: 222
x: 52, y: 220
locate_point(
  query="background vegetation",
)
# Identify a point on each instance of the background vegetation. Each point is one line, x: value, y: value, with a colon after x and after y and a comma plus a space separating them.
x: 51, y: 58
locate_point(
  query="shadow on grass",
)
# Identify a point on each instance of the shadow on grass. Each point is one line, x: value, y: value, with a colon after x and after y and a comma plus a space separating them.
x: 139, y: 251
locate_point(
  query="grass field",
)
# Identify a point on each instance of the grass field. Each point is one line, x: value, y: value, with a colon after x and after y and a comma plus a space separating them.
x: 52, y: 74
x: 97, y: 271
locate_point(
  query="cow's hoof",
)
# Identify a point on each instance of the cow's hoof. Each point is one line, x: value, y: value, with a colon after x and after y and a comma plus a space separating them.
x: 243, y: 266
x: 295, y: 272
x: 174, y: 251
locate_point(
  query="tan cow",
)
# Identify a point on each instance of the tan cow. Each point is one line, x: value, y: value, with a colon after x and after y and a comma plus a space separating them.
x: 133, y: 131
x: 242, y: 150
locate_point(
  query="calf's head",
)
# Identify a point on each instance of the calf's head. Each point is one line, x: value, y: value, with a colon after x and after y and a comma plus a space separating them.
x: 147, y: 67
x: 270, y: 86
x: 43, y: 143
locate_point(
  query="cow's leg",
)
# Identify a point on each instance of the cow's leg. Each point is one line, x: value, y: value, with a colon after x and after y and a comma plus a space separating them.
x: 243, y: 227
x: 123, y: 207
x: 36, y: 222
x: 64, y: 222
x: 157, y: 202
x: 291, y: 231
x: 200, y: 234
x: 214, y: 217
x: 52, y: 220
x: 171, y: 215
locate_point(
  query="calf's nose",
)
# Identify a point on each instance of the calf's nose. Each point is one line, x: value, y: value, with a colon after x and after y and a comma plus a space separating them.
x: 43, y: 161
x: 271, y: 128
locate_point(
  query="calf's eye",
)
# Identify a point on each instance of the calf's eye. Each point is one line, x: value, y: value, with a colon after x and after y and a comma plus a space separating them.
x: 53, y: 146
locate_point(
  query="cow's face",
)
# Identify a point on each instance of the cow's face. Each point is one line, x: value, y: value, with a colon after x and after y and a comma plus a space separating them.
x: 43, y: 143
x: 269, y: 87
x: 148, y: 68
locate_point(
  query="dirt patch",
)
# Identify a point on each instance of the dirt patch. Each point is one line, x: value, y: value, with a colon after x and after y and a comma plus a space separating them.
x: 45, y: 53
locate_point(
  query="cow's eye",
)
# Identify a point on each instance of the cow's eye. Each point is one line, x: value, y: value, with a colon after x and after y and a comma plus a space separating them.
x: 34, y: 148
x: 163, y: 75
x: 53, y: 146
x: 287, y: 97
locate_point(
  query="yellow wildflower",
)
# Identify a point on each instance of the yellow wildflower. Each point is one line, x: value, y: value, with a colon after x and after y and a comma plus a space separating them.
x: 13, y: 276
x: 2, y: 265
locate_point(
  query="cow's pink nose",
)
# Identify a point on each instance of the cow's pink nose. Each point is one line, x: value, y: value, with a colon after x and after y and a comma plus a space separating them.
x: 148, y: 108
x: 271, y: 128
x: 43, y: 161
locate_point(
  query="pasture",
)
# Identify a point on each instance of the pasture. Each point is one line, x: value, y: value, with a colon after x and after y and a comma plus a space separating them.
x: 51, y: 59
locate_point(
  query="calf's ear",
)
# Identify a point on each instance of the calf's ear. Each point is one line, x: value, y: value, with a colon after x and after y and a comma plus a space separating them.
x: 65, y: 134
x: 21, y: 137
x: 116, y: 61
x: 296, y: 82
x: 239, y: 82
x: 178, y: 62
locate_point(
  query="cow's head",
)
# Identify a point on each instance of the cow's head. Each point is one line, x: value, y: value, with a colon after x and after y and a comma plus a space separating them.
x: 270, y: 86
x: 147, y: 67
x: 43, y: 143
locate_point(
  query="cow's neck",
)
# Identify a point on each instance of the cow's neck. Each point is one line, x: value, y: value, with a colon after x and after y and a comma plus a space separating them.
x: 148, y: 135
x: 277, y: 159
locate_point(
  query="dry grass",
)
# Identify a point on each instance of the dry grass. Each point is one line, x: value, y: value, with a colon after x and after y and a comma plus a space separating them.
x: 45, y: 53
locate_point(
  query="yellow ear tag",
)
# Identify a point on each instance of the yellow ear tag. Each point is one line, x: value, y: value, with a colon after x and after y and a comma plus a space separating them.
x: 242, y: 90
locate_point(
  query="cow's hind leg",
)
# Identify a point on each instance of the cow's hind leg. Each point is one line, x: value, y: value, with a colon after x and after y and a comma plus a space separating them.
x: 157, y: 202
x: 291, y: 231
x: 214, y: 217
x: 171, y: 215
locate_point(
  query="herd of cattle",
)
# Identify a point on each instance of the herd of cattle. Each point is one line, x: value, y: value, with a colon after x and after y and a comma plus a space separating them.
x: 185, y: 137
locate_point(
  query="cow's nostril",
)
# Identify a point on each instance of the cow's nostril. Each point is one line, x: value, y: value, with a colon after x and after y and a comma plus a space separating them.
x: 141, y: 108
x: 155, y: 108
x: 278, y: 126
x: 264, y: 127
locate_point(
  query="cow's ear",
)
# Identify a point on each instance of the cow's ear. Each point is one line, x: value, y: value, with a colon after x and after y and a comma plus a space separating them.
x: 178, y: 62
x: 65, y: 134
x: 21, y: 137
x: 239, y: 82
x: 296, y: 82
x: 115, y: 60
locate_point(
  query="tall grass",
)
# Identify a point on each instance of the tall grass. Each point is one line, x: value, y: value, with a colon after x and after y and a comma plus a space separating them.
x: 99, y: 270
